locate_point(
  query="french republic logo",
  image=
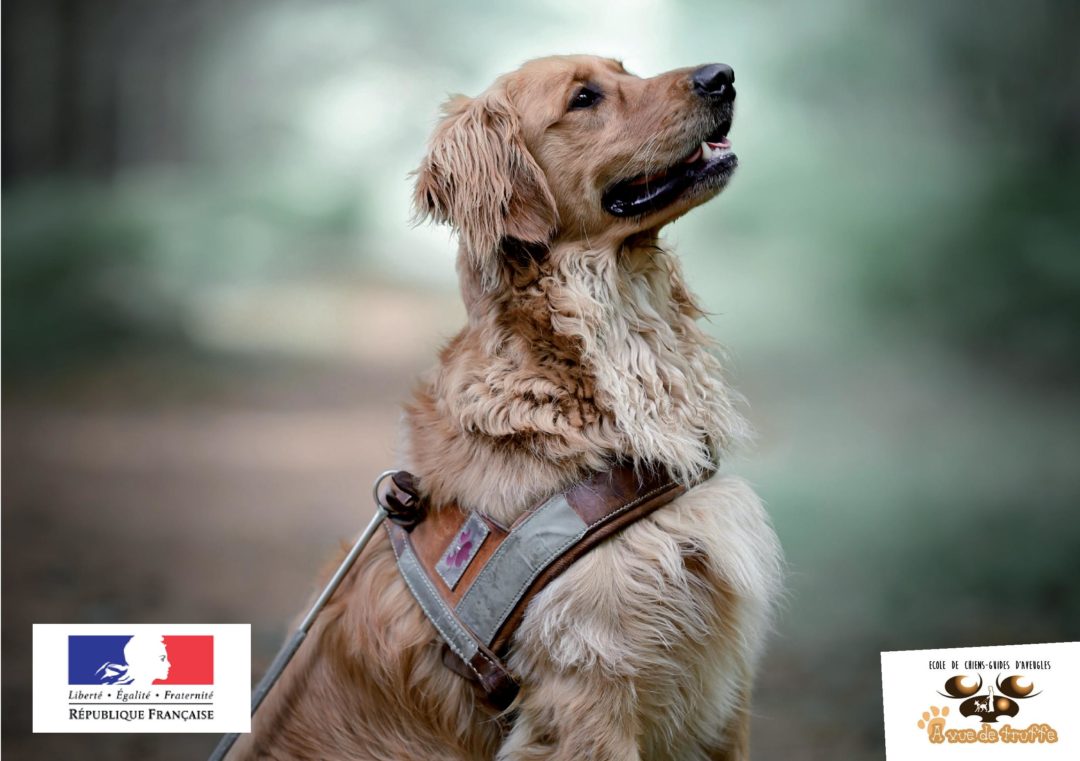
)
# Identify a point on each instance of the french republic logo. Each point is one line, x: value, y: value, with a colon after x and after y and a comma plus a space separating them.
x: 1017, y: 699
x: 142, y: 678
x: 140, y: 659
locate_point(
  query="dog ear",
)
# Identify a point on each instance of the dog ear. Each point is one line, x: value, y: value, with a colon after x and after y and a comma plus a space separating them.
x: 479, y: 177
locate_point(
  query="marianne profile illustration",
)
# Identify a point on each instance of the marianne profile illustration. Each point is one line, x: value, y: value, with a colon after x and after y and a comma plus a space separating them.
x: 145, y: 659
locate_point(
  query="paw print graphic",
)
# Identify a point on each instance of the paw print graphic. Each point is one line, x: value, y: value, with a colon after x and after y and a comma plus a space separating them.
x: 933, y: 721
x: 462, y: 551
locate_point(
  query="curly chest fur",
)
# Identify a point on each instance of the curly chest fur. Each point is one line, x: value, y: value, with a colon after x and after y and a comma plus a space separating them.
x: 581, y: 358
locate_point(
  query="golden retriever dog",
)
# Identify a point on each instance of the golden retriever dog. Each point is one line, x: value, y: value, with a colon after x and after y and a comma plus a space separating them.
x: 581, y: 348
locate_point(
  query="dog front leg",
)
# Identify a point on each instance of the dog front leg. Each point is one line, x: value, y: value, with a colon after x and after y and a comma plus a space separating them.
x: 574, y: 717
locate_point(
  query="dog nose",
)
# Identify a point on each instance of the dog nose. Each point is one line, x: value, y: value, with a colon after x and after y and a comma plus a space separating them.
x: 715, y: 80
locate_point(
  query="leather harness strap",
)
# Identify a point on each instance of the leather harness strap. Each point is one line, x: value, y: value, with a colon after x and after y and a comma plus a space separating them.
x: 474, y: 578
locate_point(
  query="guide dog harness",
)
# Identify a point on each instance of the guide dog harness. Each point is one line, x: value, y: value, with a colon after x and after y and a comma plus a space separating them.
x: 474, y: 578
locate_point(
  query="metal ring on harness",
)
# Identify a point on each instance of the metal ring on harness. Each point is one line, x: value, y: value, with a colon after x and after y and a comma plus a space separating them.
x: 377, y: 483
x: 401, y: 501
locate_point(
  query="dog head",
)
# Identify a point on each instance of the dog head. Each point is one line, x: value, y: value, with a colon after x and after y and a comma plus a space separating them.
x: 575, y: 148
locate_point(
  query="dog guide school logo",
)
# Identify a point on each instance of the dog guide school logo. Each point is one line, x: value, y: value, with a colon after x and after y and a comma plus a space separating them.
x: 1000, y: 699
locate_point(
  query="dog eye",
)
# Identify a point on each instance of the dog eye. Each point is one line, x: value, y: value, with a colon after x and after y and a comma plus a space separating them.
x: 584, y: 98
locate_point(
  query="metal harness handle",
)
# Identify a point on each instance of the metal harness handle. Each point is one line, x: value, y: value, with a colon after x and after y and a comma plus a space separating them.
x: 403, y: 506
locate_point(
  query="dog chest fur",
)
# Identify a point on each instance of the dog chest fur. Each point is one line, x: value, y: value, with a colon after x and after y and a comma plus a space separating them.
x: 672, y: 612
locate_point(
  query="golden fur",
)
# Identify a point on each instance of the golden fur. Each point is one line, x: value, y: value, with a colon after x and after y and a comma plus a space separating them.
x: 581, y: 346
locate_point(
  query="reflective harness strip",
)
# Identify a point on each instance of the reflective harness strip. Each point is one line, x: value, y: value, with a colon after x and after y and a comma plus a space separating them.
x: 526, y: 551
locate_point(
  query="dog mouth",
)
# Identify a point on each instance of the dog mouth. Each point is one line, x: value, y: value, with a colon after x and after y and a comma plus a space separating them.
x: 710, y: 163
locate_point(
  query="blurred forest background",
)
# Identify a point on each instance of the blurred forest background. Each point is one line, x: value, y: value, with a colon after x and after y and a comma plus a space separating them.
x: 213, y: 303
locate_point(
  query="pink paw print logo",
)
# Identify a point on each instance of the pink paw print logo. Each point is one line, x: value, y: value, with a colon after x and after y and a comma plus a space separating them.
x: 933, y: 721
x: 461, y: 552
x: 461, y: 549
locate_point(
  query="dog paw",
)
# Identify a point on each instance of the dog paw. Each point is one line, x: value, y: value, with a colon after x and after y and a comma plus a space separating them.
x: 933, y: 721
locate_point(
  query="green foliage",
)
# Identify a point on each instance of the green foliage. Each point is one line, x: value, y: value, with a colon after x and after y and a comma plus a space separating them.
x: 77, y: 282
x: 92, y: 269
x: 1004, y: 282
x: 996, y: 272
